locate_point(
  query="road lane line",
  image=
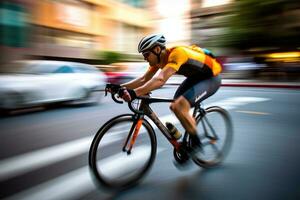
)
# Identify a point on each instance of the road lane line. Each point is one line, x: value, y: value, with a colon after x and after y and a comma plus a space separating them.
x: 78, y: 182
x: 21, y: 164
x: 252, y: 112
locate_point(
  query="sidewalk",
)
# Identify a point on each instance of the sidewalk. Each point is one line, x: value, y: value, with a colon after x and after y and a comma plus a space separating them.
x: 260, y: 83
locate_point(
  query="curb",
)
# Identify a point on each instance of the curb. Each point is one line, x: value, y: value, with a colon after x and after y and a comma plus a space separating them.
x: 262, y: 85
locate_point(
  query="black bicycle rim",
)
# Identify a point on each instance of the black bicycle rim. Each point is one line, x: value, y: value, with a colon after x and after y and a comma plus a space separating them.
x: 97, y: 165
x: 219, y: 115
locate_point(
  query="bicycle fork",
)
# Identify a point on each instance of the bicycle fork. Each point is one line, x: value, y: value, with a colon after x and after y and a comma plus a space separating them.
x: 133, y: 133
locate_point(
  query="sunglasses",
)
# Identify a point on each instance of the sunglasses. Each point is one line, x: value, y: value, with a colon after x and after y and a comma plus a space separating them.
x: 146, y: 54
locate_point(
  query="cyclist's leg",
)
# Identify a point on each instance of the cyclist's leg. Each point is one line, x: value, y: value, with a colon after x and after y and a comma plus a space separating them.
x: 202, y: 90
x: 190, y: 93
x: 181, y: 106
x: 195, y: 91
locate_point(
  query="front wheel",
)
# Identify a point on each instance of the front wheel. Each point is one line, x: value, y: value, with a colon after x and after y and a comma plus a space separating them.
x: 109, y: 161
x: 216, y: 133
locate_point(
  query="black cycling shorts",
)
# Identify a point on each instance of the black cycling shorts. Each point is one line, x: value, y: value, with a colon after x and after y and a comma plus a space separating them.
x: 195, y: 90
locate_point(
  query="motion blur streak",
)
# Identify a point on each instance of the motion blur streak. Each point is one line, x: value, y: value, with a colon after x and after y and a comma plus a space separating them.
x: 78, y: 182
x: 24, y: 163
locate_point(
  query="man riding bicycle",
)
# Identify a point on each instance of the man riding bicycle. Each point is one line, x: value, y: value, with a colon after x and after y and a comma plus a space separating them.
x: 198, y: 65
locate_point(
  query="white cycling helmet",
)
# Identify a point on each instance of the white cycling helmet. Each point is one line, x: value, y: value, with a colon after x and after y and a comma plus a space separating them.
x: 150, y: 41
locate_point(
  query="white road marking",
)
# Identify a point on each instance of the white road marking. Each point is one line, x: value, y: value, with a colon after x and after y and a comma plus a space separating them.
x: 21, y: 164
x: 67, y: 186
x: 78, y: 182
x: 228, y: 104
x: 234, y: 102
x: 30, y: 161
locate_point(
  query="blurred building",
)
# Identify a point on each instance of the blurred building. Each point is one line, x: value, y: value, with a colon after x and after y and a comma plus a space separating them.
x: 208, y: 21
x: 173, y: 19
x: 14, y: 29
x: 69, y: 28
x: 78, y: 28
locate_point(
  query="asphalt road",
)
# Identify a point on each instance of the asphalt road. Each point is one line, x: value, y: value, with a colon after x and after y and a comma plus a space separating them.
x: 44, y: 154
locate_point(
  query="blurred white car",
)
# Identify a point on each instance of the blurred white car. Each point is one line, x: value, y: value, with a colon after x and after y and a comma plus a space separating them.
x: 33, y: 83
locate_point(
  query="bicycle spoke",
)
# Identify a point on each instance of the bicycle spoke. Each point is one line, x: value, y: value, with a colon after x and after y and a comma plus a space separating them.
x: 217, y: 150
x: 212, y: 130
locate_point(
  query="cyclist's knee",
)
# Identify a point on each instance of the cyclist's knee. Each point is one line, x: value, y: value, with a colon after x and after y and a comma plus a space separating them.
x: 180, y: 105
x: 173, y: 107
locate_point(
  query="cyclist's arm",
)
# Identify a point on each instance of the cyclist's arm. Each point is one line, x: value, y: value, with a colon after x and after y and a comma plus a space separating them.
x: 176, y: 58
x: 141, y: 80
x: 156, y: 82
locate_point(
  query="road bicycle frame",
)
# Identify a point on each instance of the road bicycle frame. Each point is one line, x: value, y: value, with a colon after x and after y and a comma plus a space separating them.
x: 145, y: 109
x: 181, y: 152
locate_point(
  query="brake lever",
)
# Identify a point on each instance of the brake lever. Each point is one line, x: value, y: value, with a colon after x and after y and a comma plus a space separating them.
x: 115, y: 99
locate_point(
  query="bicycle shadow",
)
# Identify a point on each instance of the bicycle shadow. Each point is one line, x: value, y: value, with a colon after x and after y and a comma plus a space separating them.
x: 184, y: 187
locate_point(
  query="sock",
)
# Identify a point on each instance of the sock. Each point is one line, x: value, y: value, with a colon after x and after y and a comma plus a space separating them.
x: 195, y: 140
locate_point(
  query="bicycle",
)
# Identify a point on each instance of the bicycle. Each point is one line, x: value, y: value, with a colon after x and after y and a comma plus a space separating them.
x: 138, y: 142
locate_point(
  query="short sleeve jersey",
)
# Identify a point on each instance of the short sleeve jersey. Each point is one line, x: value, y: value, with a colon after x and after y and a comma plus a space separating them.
x: 193, y: 61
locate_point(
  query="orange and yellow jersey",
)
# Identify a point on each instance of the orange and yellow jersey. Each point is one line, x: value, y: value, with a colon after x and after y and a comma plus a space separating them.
x: 193, y: 61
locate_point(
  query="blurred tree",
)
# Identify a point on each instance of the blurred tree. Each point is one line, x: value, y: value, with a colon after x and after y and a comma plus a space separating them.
x: 267, y: 23
x: 109, y: 57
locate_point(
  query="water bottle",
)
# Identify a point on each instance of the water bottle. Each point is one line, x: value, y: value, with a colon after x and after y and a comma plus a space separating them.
x: 173, y: 130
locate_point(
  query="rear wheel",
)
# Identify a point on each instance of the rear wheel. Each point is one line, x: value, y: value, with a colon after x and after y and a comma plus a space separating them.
x: 216, y: 134
x: 111, y: 164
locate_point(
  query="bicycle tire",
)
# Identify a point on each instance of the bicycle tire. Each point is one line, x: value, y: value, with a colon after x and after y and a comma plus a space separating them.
x: 100, y: 156
x: 212, y: 115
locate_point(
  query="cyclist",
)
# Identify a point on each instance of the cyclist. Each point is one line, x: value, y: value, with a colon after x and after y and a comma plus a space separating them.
x: 198, y: 65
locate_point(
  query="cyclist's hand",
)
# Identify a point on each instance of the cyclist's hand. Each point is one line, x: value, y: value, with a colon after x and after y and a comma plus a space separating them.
x: 128, y: 94
x: 112, y: 88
